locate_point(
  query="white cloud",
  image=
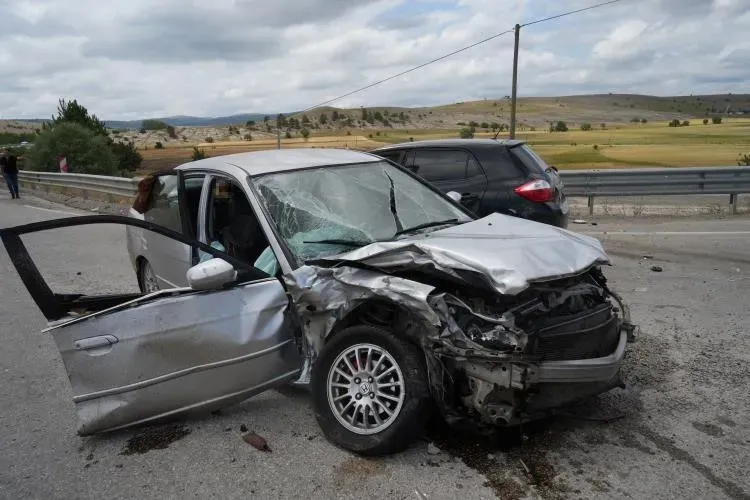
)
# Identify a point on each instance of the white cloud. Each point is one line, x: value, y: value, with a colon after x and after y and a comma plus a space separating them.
x: 136, y: 58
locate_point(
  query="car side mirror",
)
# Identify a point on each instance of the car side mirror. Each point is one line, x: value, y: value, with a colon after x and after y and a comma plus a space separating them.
x: 211, y: 274
x: 454, y: 196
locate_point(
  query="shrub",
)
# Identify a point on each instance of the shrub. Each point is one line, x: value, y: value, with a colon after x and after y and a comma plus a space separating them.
x: 158, y: 145
x: 323, y: 119
x: 128, y: 158
x: 209, y: 139
x: 141, y: 130
x: 560, y: 126
x: 643, y: 120
x: 335, y: 116
x: 411, y: 139
x: 288, y: 135
x: 743, y: 160
x: 85, y: 151
x: 635, y: 120
x: 250, y: 123
x: 248, y: 137
x: 485, y: 125
x: 198, y: 154
x: 585, y: 126
x: 685, y: 123
x: 705, y: 121
x: 171, y: 132
x: 154, y: 125
x: 716, y: 120
x: 674, y: 123
x: 473, y: 124
x: 596, y: 146
x: 466, y: 133
x: 305, y: 133
x: 603, y: 126
x: 348, y: 132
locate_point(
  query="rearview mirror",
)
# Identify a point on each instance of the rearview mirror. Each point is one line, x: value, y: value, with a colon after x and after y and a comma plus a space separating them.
x: 211, y: 274
x: 454, y: 196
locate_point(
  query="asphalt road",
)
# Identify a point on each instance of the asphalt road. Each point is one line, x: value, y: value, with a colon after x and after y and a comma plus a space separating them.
x: 684, y: 430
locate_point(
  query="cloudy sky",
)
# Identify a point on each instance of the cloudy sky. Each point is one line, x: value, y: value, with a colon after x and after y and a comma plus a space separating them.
x: 128, y: 59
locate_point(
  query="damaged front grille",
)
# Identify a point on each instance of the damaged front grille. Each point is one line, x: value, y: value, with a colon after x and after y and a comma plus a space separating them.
x: 593, y: 334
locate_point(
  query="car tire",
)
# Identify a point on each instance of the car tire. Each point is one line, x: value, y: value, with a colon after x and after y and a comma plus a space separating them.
x: 146, y: 277
x: 383, y: 404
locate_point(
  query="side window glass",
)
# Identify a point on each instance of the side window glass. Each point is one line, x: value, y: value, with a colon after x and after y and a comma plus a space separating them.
x: 394, y: 156
x: 472, y: 168
x: 193, y: 189
x: 165, y: 206
x: 232, y: 227
x: 441, y: 164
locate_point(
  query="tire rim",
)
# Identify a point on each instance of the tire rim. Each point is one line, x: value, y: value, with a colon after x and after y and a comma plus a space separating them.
x: 365, y: 389
x: 150, y: 285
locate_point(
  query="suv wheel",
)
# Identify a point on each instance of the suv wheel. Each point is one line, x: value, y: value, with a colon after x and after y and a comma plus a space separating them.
x: 369, y: 391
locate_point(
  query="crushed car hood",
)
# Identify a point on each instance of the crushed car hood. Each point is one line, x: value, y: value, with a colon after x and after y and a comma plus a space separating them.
x: 503, y: 252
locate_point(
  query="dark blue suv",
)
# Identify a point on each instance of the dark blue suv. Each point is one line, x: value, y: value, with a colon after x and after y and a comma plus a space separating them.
x: 504, y: 176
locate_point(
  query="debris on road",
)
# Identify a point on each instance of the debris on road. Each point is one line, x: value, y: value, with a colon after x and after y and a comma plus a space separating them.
x: 579, y: 221
x: 243, y: 428
x: 647, y: 257
x: 656, y: 269
x: 155, y: 438
x: 525, y: 467
x: 256, y: 441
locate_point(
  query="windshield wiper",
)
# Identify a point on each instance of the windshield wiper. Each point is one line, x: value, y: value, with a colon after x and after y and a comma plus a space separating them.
x: 425, y: 226
x: 346, y: 243
x: 392, y: 200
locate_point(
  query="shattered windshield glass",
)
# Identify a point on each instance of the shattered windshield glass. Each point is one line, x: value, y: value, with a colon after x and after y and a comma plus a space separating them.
x: 325, y: 211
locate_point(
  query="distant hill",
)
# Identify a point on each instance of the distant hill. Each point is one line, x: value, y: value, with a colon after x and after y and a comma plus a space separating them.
x: 192, y: 121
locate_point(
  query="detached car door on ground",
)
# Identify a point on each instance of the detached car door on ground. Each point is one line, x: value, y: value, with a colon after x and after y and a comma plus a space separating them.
x: 134, y: 357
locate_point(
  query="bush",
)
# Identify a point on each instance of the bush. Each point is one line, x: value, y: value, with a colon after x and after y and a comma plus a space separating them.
x: 705, y: 121
x: 603, y: 126
x: 743, y: 160
x: 128, y: 158
x: 348, y: 132
x: 560, y: 126
x: 209, y: 140
x: 250, y: 123
x: 635, y: 120
x: 585, y: 126
x: 466, y: 133
x: 171, y: 132
x: 248, y: 137
x: 485, y: 125
x: 716, y: 120
x: 596, y: 146
x: 674, y: 123
x: 85, y: 151
x: 473, y: 124
x: 158, y: 145
x: 198, y: 154
x: 643, y: 120
x: 154, y: 125
x: 288, y: 135
x: 685, y: 123
x: 305, y: 133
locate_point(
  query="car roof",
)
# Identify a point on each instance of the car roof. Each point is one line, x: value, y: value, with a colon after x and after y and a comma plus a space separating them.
x: 464, y: 143
x: 281, y: 160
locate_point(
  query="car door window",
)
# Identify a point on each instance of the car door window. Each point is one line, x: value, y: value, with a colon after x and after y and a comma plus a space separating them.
x: 394, y: 156
x: 233, y: 227
x: 441, y: 164
x: 164, y: 208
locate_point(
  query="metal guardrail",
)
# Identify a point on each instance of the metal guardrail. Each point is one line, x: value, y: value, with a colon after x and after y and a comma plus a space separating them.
x: 588, y: 183
x: 657, y: 182
x: 96, y: 185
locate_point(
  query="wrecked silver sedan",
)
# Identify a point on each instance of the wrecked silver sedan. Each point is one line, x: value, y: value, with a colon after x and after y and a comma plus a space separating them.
x: 343, y: 271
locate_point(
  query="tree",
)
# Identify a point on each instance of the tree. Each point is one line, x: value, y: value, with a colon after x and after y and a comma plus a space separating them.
x: 171, y: 132
x: 280, y: 120
x: 209, y: 139
x: 335, y: 115
x: 288, y: 135
x: 154, y: 125
x: 248, y: 137
x: 305, y: 133
x: 561, y: 126
x: 585, y: 126
x: 674, y: 123
x: 198, y: 154
x: 685, y: 123
x: 743, y: 160
x: 494, y: 126
x: 365, y: 114
x: 466, y: 133
x: 250, y: 123
x: 305, y: 120
x: 643, y: 120
x: 603, y: 126
x: 72, y: 112
x: 473, y: 124
x: 85, y: 151
x: 158, y: 145
x: 716, y: 120
x: 323, y: 119
x: 128, y: 158
x: 378, y: 116
x: 266, y: 118
x: 485, y: 125
x: 705, y: 121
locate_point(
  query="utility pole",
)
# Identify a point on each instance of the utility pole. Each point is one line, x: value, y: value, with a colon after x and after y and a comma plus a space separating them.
x: 515, y: 86
x: 278, y: 136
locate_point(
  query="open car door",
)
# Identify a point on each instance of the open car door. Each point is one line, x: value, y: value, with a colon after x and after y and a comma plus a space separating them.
x: 133, y: 358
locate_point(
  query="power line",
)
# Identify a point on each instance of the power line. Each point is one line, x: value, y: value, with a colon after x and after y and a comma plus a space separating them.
x: 462, y: 49
x: 558, y: 16
x: 497, y: 35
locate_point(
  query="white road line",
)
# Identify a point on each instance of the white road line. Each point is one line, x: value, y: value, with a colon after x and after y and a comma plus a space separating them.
x: 51, y: 210
x: 669, y: 233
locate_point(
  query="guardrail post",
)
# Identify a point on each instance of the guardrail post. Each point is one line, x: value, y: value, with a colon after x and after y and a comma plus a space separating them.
x: 732, y: 204
x: 591, y: 205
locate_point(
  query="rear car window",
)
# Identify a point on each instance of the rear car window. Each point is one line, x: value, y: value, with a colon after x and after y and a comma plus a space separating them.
x: 440, y: 164
x: 529, y: 159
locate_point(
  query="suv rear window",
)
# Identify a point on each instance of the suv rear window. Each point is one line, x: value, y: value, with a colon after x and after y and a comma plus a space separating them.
x: 529, y: 158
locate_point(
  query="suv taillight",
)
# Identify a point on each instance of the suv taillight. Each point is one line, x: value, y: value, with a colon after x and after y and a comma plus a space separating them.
x: 538, y: 191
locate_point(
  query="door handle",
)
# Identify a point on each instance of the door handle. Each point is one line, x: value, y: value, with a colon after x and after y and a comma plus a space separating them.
x: 95, y: 342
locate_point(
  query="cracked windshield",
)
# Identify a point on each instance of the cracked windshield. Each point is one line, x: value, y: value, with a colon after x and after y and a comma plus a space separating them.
x: 325, y: 211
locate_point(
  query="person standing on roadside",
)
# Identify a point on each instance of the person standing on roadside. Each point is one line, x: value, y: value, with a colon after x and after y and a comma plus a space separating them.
x: 9, y: 166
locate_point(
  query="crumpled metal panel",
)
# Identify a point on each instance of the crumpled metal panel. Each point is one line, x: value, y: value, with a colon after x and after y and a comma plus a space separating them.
x: 506, y: 253
x: 323, y: 296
